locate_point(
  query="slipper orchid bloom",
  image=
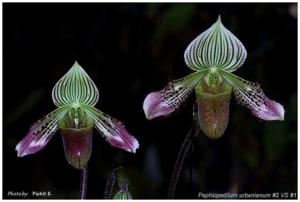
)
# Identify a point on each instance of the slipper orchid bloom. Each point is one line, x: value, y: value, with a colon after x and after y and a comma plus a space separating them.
x: 75, y: 95
x: 213, y: 55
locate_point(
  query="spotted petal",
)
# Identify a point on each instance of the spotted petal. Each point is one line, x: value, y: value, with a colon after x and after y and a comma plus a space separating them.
x: 40, y: 133
x: 75, y: 87
x: 215, y: 47
x: 113, y: 130
x: 168, y: 100
x: 252, y: 96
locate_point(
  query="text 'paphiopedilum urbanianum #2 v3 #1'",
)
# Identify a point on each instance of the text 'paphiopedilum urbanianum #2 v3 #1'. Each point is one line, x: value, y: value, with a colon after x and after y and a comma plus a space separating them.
x: 213, y: 55
x: 75, y: 96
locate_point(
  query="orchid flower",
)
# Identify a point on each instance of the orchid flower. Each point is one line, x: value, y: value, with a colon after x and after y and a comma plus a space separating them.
x: 213, y: 55
x: 75, y: 96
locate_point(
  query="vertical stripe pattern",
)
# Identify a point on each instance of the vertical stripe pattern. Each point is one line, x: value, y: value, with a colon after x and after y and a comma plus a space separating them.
x: 216, y: 47
x: 75, y: 87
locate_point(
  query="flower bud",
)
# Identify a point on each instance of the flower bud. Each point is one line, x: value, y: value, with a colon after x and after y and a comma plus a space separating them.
x: 123, y: 183
x: 122, y: 195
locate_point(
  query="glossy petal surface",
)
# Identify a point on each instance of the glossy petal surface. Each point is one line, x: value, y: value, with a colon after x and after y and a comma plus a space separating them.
x: 75, y: 87
x: 40, y: 133
x: 169, y: 99
x: 215, y: 47
x: 252, y: 96
x: 113, y: 130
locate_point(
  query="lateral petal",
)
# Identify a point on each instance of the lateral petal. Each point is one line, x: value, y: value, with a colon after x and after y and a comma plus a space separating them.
x: 40, y: 133
x: 169, y: 99
x: 113, y: 130
x: 252, y: 96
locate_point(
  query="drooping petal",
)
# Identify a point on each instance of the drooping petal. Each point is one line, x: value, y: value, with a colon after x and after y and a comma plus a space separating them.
x: 40, y: 133
x: 75, y: 87
x: 252, y: 96
x: 215, y: 47
x: 113, y: 130
x: 166, y: 101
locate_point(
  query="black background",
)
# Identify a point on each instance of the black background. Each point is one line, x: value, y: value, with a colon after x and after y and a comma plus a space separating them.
x: 129, y: 50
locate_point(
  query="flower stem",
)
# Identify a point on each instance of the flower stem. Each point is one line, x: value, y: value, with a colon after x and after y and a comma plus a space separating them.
x: 190, y: 165
x: 109, y: 186
x: 83, y: 182
x: 185, y: 147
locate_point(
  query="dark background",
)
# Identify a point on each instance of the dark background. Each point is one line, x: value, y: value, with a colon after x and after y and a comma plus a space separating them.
x: 130, y: 50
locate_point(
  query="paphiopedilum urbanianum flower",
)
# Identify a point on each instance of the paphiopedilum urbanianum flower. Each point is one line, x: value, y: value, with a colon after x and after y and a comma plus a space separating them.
x: 75, y: 96
x: 213, y: 55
